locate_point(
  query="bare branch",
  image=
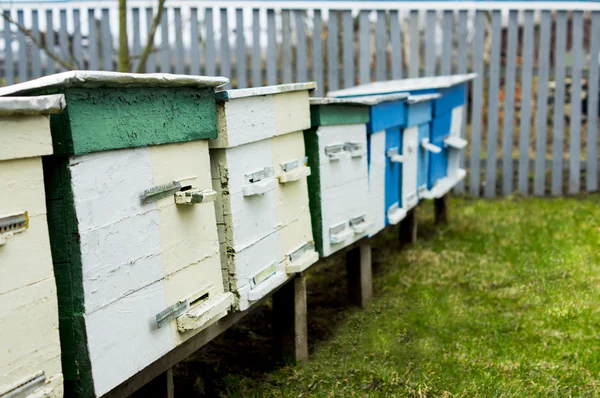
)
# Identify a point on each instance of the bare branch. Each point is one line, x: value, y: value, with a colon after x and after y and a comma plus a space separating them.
x: 150, y: 40
x: 28, y: 33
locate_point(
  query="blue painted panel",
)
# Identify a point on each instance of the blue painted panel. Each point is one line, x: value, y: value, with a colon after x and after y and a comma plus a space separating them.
x: 440, y: 126
x: 423, y: 159
x: 451, y: 97
x: 419, y: 113
x: 386, y: 115
x: 438, y: 163
x: 392, y: 170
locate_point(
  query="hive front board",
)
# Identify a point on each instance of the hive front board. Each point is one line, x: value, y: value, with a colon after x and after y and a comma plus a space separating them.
x: 132, y: 224
x: 29, y: 338
x: 259, y: 172
x: 336, y: 146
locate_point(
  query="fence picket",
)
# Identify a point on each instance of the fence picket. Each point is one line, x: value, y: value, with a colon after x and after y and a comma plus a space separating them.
x: 256, y: 50
x: 93, y: 49
x: 541, y: 114
x: 509, y: 104
x: 9, y: 73
x: 301, y: 55
x: 194, y: 42
x: 77, y: 40
x: 415, y: 40
x: 165, y: 53
x: 364, y: 55
x: 240, y: 50
x: 271, y: 48
x: 348, y: 48
x: 63, y: 39
x: 592, y: 106
x: 286, y: 47
x: 224, y: 51
x: 50, y: 43
x: 317, y: 55
x: 22, y: 64
x: 380, y: 46
x: 575, y: 118
x: 492, y: 106
x: 107, y: 62
x: 332, y: 51
x: 151, y: 60
x: 396, y: 42
x: 461, y: 67
x: 559, y: 103
x: 448, y: 31
x: 430, y: 43
x: 525, y: 125
x: 210, y: 61
x: 36, y: 59
x: 477, y: 96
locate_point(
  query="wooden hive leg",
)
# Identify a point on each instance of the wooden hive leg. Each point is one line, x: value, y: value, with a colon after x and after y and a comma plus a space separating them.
x: 289, y: 321
x: 360, y: 280
x: 408, y: 228
x: 441, y: 209
x: 161, y: 386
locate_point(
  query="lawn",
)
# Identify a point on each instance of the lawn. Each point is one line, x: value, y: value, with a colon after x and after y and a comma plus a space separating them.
x: 505, y: 301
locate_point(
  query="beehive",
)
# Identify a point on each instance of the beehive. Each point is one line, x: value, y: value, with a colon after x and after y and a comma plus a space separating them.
x: 336, y: 146
x: 132, y: 222
x: 444, y: 170
x: 29, y: 337
x: 259, y: 173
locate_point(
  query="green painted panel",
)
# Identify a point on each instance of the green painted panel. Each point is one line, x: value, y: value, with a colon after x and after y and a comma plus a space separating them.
x: 66, y: 257
x: 328, y: 115
x: 311, y: 145
x: 114, y: 118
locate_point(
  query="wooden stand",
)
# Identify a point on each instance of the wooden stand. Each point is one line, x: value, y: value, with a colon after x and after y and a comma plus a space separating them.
x: 160, y: 387
x: 441, y: 209
x: 289, y: 321
x: 360, y: 279
x: 408, y: 228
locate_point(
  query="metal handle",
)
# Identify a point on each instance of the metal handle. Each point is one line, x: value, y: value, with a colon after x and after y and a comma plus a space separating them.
x: 359, y: 224
x: 394, y: 156
x: 335, y: 152
x: 294, y: 174
x: 195, y: 196
x: 430, y: 147
x: 340, y: 233
x: 260, y: 187
x: 355, y: 148
x: 455, y: 142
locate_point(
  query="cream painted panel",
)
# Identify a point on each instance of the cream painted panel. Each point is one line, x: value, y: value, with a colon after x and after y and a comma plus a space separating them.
x: 292, y: 112
x: 123, y: 337
x: 22, y: 187
x: 291, y: 197
x: 410, y: 148
x: 29, y: 340
x: 377, y: 182
x: 348, y: 167
x: 189, y: 281
x: 296, y: 233
x: 26, y: 256
x: 107, y: 186
x: 244, y: 120
x: 25, y: 136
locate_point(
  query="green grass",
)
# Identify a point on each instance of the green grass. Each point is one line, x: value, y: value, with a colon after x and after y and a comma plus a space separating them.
x: 503, y: 302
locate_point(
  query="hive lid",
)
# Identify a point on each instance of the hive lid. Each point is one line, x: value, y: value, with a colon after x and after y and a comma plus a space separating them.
x: 227, y: 95
x: 415, y: 99
x: 404, y: 85
x: 98, y: 79
x: 39, y: 105
x: 363, y: 100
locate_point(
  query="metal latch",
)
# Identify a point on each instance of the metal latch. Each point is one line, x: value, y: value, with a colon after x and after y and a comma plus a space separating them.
x: 339, y: 233
x: 355, y: 148
x: 161, y: 191
x: 335, y: 151
x: 263, y: 275
x: 294, y: 164
x: 394, y: 156
x: 12, y: 224
x: 298, y: 253
x: 25, y: 387
x: 259, y: 175
x: 195, y: 196
x: 359, y: 224
x: 182, y: 306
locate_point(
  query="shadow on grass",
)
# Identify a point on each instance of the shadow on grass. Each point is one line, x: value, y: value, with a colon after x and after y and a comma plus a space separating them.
x: 246, y: 349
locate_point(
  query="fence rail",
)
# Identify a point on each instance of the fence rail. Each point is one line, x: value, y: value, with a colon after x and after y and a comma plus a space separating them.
x: 533, y: 110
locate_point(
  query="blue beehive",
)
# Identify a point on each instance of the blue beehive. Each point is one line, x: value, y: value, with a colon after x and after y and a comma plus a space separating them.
x: 442, y: 167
